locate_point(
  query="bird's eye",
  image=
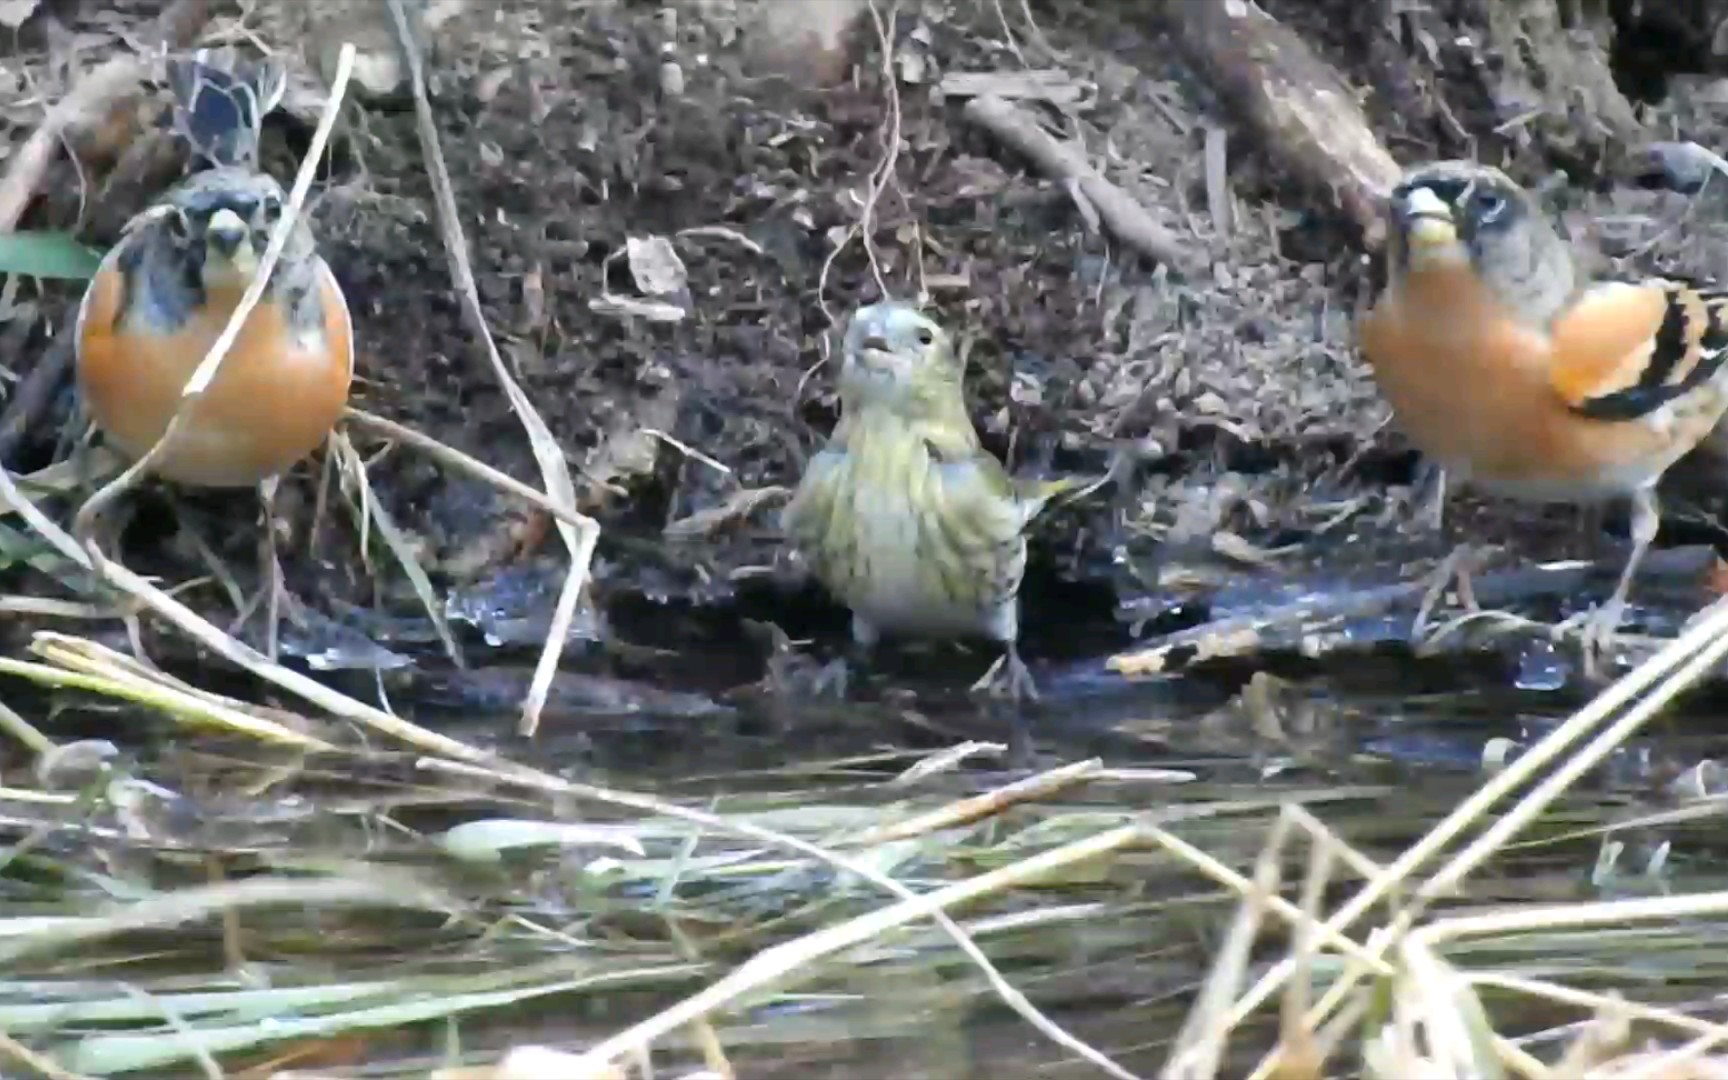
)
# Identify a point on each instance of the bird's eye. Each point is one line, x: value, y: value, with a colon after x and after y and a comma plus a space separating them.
x: 925, y: 337
x: 272, y: 206
x: 1490, y: 206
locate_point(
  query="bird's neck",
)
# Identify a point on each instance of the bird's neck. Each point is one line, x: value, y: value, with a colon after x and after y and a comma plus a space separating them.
x: 944, y: 425
x: 1456, y: 290
x: 1454, y: 296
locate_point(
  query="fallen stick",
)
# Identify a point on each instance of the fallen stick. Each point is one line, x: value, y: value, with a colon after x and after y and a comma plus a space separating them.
x: 1126, y: 219
x: 1304, y: 110
x: 1242, y: 635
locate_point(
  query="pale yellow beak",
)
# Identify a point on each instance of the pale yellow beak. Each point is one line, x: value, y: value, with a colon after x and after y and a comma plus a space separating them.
x: 1428, y: 220
x: 228, y: 242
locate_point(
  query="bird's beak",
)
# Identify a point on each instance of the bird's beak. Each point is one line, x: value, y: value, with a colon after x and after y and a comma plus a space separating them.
x: 229, y: 242
x: 874, y: 354
x: 1427, y: 220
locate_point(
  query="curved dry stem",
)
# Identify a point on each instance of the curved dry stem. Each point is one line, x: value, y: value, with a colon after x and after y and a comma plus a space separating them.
x: 474, y: 467
x: 1649, y: 686
x: 579, y: 536
x: 107, y: 82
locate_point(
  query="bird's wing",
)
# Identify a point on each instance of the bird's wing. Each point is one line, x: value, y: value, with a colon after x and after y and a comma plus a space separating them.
x: 808, y: 520
x: 1624, y: 350
x: 982, y: 505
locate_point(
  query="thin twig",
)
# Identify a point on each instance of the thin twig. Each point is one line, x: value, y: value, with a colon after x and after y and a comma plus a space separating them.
x: 31, y: 160
x: 883, y: 174
x: 397, y: 542
x: 579, y: 537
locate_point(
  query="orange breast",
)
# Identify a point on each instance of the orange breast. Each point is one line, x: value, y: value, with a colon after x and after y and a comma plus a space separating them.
x: 1474, y: 389
x: 272, y: 402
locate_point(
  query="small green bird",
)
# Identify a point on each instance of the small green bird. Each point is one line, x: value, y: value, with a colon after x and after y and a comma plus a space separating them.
x: 904, y: 516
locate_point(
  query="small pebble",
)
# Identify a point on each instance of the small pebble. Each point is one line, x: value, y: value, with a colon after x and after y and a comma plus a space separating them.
x: 671, y: 79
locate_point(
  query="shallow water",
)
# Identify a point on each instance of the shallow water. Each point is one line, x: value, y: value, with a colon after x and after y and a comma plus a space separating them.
x: 1376, y: 742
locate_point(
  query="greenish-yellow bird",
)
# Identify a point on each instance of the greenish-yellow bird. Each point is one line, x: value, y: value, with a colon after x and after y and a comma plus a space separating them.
x: 904, y: 516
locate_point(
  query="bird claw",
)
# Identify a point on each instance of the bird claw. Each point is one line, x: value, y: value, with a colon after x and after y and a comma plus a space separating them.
x: 1453, y: 571
x: 1598, y: 633
x: 1008, y: 678
x: 832, y: 679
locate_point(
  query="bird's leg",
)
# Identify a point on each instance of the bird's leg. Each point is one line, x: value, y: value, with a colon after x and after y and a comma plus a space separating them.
x: 270, y: 571
x: 835, y: 676
x: 1008, y: 677
x: 1453, y: 569
x: 1435, y: 511
x: 1010, y: 683
x: 1600, y: 628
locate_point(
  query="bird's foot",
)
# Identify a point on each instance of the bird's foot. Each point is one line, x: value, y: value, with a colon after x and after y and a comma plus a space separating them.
x: 1009, y: 683
x: 831, y: 679
x: 1453, y: 570
x: 1007, y: 678
x: 1597, y: 630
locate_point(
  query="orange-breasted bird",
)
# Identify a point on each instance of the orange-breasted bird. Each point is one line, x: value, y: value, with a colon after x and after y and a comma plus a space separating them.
x: 162, y: 296
x: 1519, y: 379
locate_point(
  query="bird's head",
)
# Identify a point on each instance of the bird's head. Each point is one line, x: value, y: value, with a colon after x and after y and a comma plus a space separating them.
x: 1450, y: 215
x: 220, y: 221
x: 896, y: 358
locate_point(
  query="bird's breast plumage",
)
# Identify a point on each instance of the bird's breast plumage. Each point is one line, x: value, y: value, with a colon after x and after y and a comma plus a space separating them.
x: 911, y: 542
x: 282, y: 386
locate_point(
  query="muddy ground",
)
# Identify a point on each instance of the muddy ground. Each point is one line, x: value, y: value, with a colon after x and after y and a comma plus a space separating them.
x: 1259, y: 454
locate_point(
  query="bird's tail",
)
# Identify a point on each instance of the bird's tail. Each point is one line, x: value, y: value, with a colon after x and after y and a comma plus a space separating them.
x: 1041, y: 495
x: 1067, y: 489
x: 220, y: 108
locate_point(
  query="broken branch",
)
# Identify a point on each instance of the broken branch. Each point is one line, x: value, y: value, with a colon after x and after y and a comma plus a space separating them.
x: 1126, y: 219
x: 1304, y: 110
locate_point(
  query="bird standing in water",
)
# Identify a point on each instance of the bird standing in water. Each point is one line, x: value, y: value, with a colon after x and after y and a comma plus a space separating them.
x: 904, y: 516
x: 1518, y: 379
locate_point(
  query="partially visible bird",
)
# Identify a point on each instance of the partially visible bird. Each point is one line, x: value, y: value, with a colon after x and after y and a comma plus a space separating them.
x: 904, y: 516
x: 163, y: 294
x: 1523, y: 381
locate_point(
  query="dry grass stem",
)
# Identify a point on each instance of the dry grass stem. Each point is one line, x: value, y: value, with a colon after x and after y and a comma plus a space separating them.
x: 1709, y: 629
x: 1010, y: 996
x: 965, y: 811
x: 784, y: 961
x: 112, y: 79
x: 449, y: 455
x: 581, y: 537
